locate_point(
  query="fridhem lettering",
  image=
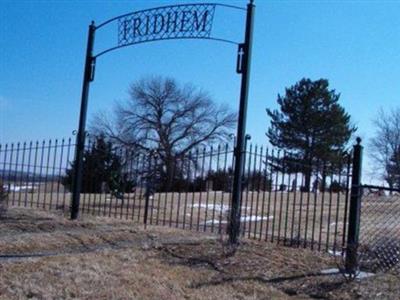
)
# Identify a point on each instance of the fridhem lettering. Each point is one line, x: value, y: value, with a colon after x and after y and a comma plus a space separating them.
x: 165, y: 25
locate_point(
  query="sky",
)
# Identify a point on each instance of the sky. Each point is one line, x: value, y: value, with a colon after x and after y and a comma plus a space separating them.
x: 353, y: 44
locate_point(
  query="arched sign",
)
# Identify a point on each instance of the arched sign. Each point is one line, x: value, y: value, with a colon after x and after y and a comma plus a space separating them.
x: 185, y: 21
x: 188, y: 21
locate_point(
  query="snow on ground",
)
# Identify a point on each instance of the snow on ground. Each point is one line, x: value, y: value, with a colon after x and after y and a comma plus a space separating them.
x: 255, y: 218
x: 223, y: 208
x: 242, y: 219
x: 19, y: 188
x: 335, y: 252
x: 214, y: 221
x: 218, y: 207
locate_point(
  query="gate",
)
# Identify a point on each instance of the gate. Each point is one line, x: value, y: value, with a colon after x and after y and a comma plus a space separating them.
x: 185, y: 21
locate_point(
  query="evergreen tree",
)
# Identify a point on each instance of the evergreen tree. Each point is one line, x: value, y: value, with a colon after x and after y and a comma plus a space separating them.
x: 101, y: 166
x: 311, y: 125
x: 222, y: 179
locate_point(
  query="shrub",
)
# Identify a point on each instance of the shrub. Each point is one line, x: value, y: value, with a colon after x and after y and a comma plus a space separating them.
x: 337, y: 187
x: 304, y: 189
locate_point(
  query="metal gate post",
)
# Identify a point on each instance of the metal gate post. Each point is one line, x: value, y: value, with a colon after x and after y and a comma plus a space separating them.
x: 80, y: 139
x: 351, y: 263
x: 149, y: 188
x: 243, y: 67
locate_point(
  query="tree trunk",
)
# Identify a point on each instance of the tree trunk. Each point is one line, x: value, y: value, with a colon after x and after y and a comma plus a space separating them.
x: 391, y: 188
x: 323, y: 181
x: 170, y: 168
x: 308, y: 172
x: 307, y: 181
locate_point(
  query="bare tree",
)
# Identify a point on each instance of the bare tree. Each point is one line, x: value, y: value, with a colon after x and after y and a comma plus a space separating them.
x: 166, y: 118
x: 385, y: 146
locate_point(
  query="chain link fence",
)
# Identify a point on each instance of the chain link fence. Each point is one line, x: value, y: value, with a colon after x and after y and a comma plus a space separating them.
x: 380, y: 230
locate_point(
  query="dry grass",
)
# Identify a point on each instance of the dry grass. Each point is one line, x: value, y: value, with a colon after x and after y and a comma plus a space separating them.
x: 102, y: 258
x: 308, y: 217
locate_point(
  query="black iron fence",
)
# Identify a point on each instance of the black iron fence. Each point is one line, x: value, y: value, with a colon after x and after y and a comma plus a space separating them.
x: 31, y: 173
x: 283, y: 200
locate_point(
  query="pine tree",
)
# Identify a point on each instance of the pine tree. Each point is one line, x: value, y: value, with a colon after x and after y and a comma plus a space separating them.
x: 101, y: 165
x: 311, y: 125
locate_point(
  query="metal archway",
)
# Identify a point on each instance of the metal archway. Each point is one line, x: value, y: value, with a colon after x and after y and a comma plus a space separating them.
x: 184, y: 21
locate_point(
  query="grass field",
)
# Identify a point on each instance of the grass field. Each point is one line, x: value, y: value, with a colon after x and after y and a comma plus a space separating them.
x: 311, y: 220
x: 45, y: 256
x: 304, y: 219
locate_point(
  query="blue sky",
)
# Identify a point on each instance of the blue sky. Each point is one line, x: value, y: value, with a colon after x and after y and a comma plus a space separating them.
x: 354, y: 44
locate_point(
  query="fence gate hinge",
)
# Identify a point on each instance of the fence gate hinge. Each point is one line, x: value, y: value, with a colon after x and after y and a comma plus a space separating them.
x: 239, y: 61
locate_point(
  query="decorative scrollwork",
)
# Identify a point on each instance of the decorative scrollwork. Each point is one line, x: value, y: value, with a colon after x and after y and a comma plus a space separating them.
x: 184, y: 21
x: 170, y: 22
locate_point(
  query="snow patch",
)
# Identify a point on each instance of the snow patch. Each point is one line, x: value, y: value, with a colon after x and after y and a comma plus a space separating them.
x: 255, y: 218
x: 359, y: 275
x: 19, y: 188
x: 214, y: 221
x: 242, y: 219
x: 217, y: 207
x: 335, y: 252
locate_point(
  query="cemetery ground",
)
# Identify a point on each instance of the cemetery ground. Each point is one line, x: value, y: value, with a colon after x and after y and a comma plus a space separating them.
x: 43, y: 255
